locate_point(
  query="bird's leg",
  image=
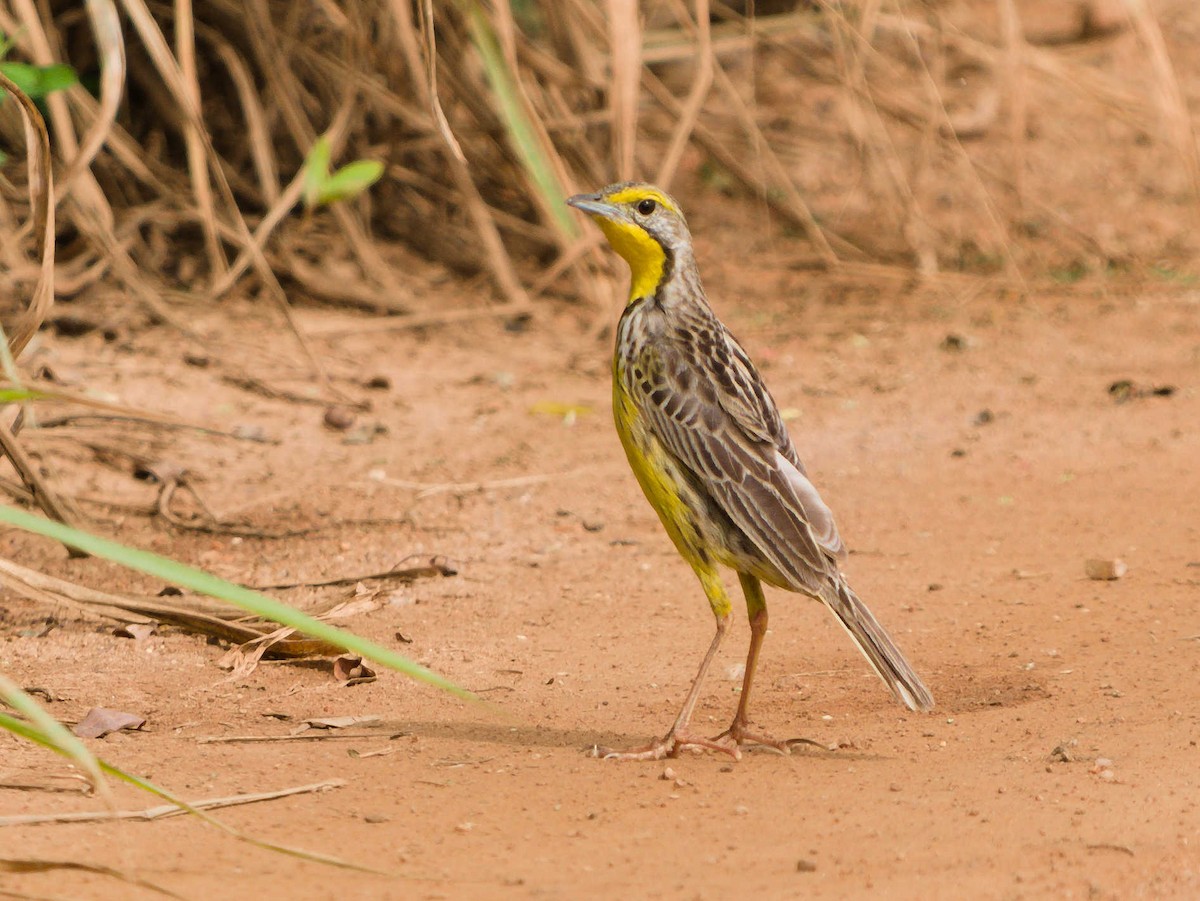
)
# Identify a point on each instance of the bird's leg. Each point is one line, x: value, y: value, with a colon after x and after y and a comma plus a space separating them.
x: 678, y: 739
x: 757, y: 614
x: 739, y: 733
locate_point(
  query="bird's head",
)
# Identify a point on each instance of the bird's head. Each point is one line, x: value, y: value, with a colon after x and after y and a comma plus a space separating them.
x: 644, y: 225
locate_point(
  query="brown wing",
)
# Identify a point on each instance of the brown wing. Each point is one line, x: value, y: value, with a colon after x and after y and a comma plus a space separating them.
x: 713, y: 414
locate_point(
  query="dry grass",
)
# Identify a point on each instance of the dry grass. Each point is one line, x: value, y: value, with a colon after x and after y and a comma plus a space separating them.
x: 919, y: 136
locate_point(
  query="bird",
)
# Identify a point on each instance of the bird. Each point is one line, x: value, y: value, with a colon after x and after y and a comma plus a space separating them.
x: 710, y: 450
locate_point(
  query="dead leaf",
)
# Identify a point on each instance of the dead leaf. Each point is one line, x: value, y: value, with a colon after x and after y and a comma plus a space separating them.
x: 243, y: 659
x: 363, y: 755
x: 136, y: 631
x: 352, y: 671
x: 100, y: 721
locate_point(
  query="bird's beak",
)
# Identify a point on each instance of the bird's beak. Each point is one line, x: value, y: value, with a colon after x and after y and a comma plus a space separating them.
x: 594, y: 206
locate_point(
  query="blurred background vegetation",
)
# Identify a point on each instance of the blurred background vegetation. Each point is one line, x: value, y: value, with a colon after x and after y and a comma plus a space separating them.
x: 1011, y: 140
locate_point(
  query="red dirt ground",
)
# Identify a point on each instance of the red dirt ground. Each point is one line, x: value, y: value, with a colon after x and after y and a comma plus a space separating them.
x: 575, y: 617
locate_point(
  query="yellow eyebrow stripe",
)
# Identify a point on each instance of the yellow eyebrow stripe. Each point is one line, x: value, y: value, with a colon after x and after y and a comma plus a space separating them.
x: 640, y: 192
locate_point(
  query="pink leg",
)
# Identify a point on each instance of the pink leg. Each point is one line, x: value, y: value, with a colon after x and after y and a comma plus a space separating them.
x: 738, y: 734
x: 678, y: 740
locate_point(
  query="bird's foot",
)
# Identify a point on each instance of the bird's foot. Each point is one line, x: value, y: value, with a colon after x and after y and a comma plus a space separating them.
x: 739, y: 736
x: 671, y: 746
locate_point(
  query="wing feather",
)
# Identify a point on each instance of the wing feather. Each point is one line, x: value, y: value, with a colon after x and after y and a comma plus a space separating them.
x: 729, y: 434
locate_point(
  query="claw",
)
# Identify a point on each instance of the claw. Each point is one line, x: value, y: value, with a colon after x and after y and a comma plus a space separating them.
x: 670, y: 746
x: 740, y: 737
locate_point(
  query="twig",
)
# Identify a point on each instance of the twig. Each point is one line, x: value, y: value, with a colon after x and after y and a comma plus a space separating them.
x: 314, y: 735
x: 46, y: 497
x: 71, y: 419
x: 258, y: 386
x: 625, y: 41
x: 166, y: 810
x: 437, y: 566
x: 420, y: 320
x: 494, y: 251
x: 426, y: 489
x: 204, y: 619
x: 701, y: 84
x: 41, y: 192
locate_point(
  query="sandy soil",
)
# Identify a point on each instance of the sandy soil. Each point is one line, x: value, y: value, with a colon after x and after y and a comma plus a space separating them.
x: 1060, y: 761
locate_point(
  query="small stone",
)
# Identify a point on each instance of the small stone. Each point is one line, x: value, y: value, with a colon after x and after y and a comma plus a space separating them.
x: 198, y: 359
x: 376, y: 818
x: 894, y: 787
x: 1104, y: 570
x: 805, y: 866
x: 339, y: 418
x: 378, y: 383
x: 1061, y: 754
x: 593, y: 525
x: 668, y: 774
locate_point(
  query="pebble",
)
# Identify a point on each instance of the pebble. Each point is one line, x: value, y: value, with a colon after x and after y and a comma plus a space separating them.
x: 1104, y: 570
x: 339, y: 418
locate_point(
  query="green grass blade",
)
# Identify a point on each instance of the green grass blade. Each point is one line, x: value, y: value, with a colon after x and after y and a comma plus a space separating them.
x: 11, y: 724
x: 520, y: 130
x: 206, y: 583
x: 51, y: 733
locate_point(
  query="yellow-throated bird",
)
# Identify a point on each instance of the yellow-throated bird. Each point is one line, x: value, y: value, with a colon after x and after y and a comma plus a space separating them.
x: 712, y: 455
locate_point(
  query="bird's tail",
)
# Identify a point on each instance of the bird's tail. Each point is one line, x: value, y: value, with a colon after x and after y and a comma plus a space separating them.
x: 877, y: 646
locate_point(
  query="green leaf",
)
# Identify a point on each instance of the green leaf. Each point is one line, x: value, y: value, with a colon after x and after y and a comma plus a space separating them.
x: 38, y: 81
x: 521, y: 132
x: 58, y: 78
x: 350, y: 181
x: 206, y: 583
x: 316, y: 171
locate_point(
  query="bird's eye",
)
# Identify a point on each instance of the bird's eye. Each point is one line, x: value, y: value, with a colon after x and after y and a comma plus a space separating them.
x: 646, y: 207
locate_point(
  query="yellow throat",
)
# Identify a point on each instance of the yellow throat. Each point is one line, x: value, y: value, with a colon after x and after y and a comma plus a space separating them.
x: 645, y: 256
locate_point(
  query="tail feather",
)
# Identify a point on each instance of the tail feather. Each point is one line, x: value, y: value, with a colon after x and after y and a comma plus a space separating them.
x: 877, y: 646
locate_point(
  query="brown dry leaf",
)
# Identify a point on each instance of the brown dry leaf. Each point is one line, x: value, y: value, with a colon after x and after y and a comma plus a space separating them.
x: 352, y: 671
x: 100, y: 721
x: 136, y: 631
x: 243, y: 659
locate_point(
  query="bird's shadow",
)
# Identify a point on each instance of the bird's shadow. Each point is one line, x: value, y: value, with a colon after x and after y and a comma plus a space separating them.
x: 586, y: 741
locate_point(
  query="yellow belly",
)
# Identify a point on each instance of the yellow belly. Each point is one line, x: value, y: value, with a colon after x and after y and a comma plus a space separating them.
x: 660, y: 478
